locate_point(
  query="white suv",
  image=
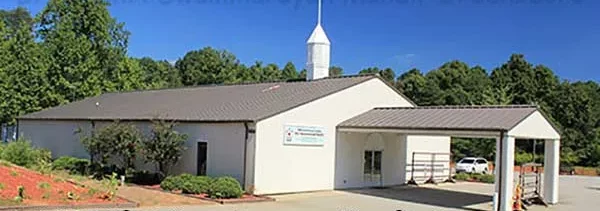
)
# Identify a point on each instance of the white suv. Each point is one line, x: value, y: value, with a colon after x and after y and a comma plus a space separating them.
x: 472, y: 165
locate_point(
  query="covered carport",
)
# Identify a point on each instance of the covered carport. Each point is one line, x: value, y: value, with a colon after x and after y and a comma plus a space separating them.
x: 504, y: 123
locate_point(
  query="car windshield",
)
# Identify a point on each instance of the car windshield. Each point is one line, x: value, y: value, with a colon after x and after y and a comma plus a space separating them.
x: 466, y: 161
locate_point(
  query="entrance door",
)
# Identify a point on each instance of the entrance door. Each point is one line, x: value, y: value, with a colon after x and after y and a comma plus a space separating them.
x: 201, y: 159
x: 372, y: 168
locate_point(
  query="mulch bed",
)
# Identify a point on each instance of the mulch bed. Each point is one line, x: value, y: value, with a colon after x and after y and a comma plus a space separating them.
x: 46, y: 191
x: 246, y: 198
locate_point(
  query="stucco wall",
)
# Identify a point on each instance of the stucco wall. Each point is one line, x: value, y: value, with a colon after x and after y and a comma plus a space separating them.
x: 225, y: 143
x: 349, y: 162
x: 430, y: 144
x: 534, y: 126
x: 284, y: 168
x: 396, y: 161
x: 60, y: 137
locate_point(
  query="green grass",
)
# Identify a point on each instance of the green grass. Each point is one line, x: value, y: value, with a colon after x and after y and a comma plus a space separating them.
x: 8, y: 202
x: 5, y: 163
x: 1, y: 186
x: 43, y: 185
x: 14, y: 173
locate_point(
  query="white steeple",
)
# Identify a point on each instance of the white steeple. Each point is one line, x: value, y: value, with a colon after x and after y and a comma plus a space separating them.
x: 318, y: 49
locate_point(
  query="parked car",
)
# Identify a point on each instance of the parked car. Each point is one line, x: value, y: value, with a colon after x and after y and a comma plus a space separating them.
x: 472, y: 165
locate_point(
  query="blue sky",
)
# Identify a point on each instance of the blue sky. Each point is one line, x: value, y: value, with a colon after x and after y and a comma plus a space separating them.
x: 401, y: 34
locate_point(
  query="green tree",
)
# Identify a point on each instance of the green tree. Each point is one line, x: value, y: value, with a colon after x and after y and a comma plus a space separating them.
x: 387, y: 74
x: 128, y: 76
x: 335, y: 71
x: 117, y: 140
x: 23, y: 79
x: 165, y: 146
x: 289, y: 71
x: 159, y: 74
x: 518, y: 75
x: 85, y: 46
x: 412, y: 84
x: 302, y: 73
x: 270, y: 73
x: 208, y: 66
x: 16, y: 19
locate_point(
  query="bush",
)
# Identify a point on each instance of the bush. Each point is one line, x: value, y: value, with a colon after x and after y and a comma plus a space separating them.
x: 196, y: 185
x: 171, y: 183
x: 21, y: 153
x: 225, y: 187
x: 523, y: 157
x: 462, y: 176
x: 72, y: 164
x: 175, y: 182
x: 486, y: 178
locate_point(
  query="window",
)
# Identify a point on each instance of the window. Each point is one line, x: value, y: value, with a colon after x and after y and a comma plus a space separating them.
x: 467, y: 161
x: 480, y: 161
x: 368, y: 162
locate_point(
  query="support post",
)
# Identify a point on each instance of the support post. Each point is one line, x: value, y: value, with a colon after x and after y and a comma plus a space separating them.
x: 506, y: 173
x: 497, y: 173
x: 551, y: 167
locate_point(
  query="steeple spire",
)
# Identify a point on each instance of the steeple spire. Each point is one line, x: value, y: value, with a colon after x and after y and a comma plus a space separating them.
x: 318, y: 49
x: 319, y: 14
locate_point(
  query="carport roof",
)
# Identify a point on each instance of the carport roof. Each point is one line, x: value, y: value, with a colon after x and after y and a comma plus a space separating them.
x: 479, y: 118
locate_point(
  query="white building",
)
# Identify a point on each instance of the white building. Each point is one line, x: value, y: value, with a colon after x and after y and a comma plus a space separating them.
x: 320, y: 134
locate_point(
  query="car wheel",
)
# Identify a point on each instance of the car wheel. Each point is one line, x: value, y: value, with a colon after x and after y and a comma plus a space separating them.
x: 485, y: 171
x: 473, y: 170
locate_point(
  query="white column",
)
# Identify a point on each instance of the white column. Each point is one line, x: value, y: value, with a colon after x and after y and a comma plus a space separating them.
x: 506, y: 173
x: 496, y: 174
x: 551, y: 166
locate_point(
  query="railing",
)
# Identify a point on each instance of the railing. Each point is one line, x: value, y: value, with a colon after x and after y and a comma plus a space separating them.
x: 428, y: 162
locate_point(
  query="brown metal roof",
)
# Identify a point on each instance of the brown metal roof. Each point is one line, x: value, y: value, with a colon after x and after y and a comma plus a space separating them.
x: 493, y: 118
x: 219, y: 103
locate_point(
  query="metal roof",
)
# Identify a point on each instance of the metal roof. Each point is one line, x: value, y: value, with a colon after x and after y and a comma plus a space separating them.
x: 213, y: 103
x: 491, y: 118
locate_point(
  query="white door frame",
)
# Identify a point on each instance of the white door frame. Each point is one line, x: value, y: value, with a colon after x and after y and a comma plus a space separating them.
x: 373, y: 144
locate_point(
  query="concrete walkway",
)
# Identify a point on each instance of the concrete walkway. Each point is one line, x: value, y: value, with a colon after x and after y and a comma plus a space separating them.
x: 576, y: 193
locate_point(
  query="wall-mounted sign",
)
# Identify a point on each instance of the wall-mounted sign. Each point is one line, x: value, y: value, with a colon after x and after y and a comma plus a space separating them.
x: 304, y: 135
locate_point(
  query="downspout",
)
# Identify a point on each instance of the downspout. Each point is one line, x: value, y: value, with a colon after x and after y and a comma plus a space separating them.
x: 246, y: 136
x: 246, y: 141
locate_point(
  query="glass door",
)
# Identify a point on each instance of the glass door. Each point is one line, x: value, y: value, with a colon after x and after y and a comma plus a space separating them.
x: 372, y: 168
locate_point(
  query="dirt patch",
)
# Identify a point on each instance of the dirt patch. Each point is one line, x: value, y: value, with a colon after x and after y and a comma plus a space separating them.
x: 39, y: 189
x: 148, y: 197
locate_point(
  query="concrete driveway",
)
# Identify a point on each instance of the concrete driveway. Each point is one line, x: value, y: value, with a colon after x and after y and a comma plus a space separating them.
x: 576, y: 193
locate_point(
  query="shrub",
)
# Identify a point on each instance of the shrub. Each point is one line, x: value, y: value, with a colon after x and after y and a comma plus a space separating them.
x: 72, y: 164
x: 225, y: 187
x: 476, y: 176
x: 165, y: 146
x: 171, y: 183
x: 175, y: 182
x: 118, y: 141
x: 523, y: 157
x: 487, y: 178
x: 462, y: 176
x: 196, y: 185
x: 21, y: 153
